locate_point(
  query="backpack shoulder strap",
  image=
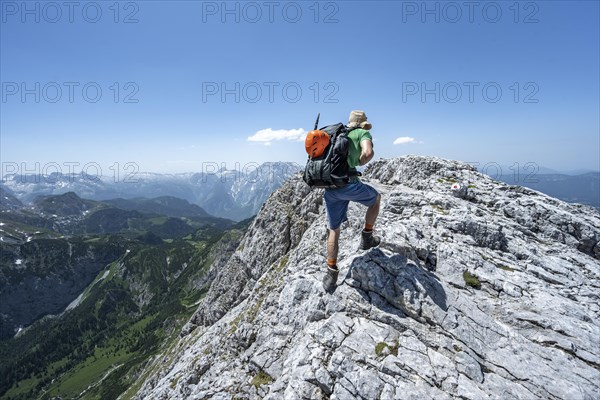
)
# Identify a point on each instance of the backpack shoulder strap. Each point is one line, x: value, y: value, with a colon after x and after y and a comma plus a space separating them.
x: 344, y: 131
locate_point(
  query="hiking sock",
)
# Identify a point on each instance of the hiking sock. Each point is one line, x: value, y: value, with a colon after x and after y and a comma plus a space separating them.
x: 368, y: 228
x: 332, y: 263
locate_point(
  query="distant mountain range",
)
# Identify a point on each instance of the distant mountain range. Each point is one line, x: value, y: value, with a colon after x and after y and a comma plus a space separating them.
x: 231, y: 194
x: 237, y: 195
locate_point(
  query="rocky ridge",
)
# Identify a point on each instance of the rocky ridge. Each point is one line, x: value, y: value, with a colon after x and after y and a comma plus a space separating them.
x: 478, y: 290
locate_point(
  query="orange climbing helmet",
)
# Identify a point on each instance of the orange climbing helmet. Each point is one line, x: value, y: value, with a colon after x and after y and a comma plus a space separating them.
x: 316, y: 142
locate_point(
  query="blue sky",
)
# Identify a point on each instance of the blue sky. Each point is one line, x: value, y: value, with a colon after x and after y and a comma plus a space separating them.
x: 427, y: 72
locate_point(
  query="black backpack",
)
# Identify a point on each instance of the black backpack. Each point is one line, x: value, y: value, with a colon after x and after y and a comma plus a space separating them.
x: 331, y: 169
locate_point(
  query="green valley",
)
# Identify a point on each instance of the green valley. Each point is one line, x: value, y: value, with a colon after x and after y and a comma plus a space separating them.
x: 153, y: 273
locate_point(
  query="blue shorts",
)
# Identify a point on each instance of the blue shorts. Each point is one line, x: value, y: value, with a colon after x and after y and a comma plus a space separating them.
x: 336, y: 201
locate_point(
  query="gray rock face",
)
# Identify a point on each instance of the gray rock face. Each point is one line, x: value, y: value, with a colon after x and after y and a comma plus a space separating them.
x: 493, y: 293
x: 276, y: 229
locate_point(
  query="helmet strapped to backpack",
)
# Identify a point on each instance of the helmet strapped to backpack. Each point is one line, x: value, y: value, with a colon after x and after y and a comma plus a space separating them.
x: 316, y: 142
x: 327, y: 165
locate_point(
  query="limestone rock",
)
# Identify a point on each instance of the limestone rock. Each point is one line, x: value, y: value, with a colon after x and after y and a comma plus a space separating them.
x: 489, y: 295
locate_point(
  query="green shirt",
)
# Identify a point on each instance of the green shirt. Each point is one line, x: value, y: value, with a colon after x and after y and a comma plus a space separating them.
x: 356, y: 136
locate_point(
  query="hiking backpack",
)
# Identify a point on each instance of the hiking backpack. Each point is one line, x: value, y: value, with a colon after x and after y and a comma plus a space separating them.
x: 327, y: 165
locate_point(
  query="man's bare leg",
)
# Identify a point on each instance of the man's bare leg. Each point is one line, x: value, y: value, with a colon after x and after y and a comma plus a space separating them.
x: 373, y: 212
x: 330, y: 278
x: 333, y: 240
x: 369, y: 240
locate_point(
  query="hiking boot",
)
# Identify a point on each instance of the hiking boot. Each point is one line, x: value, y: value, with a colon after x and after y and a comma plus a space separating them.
x: 368, y: 240
x: 330, y: 279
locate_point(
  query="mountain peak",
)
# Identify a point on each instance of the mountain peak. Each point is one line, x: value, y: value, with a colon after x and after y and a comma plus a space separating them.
x: 8, y: 200
x: 478, y: 290
x: 65, y: 204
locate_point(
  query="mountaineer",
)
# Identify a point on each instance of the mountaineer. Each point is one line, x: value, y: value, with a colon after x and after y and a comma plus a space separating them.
x: 329, y: 147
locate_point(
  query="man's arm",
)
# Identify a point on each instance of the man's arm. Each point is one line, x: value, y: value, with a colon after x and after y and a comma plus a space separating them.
x: 366, y: 153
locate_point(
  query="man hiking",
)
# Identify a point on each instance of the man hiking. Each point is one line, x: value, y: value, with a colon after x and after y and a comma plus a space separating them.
x: 337, y: 199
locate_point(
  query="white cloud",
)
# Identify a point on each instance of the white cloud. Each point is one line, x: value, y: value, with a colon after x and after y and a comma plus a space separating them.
x: 404, y: 140
x: 267, y: 136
